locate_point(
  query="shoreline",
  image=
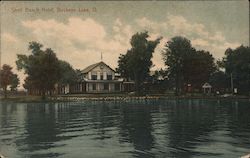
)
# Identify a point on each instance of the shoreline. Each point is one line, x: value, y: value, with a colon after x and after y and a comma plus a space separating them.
x: 73, y: 98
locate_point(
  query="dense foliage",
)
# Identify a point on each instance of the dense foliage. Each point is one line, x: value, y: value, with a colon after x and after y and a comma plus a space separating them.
x: 8, y: 78
x: 44, y: 69
x: 237, y: 64
x: 136, y: 63
x: 220, y: 81
x: 187, y: 66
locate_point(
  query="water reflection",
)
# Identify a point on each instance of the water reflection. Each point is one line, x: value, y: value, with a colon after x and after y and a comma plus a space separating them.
x: 136, y: 128
x: 152, y: 128
x: 40, y: 132
x: 190, y: 124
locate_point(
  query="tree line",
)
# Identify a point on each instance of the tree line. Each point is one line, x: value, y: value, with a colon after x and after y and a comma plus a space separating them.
x: 43, y: 70
x: 185, y: 66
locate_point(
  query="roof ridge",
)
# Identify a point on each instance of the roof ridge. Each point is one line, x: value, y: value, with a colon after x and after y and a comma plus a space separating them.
x: 92, y: 66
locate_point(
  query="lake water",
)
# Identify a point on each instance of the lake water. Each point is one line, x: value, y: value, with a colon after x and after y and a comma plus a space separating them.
x: 152, y: 128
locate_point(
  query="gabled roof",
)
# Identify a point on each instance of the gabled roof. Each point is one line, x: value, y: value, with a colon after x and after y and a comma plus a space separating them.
x: 90, y: 67
x: 206, y: 85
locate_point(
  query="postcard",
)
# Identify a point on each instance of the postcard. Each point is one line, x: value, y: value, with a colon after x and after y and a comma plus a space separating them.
x: 124, y: 79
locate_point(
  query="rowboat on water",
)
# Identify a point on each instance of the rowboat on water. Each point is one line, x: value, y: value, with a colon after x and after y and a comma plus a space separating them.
x: 246, y: 156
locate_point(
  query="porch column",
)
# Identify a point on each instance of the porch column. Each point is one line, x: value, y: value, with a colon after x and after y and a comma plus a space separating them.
x: 87, y: 87
x: 80, y: 90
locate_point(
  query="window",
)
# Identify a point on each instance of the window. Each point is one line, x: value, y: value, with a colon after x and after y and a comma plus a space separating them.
x: 94, y: 86
x: 105, y: 75
x: 94, y: 77
x: 109, y: 77
x: 106, y: 86
x: 101, y: 76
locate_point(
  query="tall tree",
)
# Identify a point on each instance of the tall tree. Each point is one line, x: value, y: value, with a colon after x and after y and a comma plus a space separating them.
x: 186, y: 65
x: 7, y: 77
x: 42, y: 68
x: 136, y: 63
x: 237, y: 64
x: 198, y: 68
x: 178, y: 50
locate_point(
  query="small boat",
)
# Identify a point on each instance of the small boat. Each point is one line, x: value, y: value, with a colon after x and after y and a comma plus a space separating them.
x: 246, y: 156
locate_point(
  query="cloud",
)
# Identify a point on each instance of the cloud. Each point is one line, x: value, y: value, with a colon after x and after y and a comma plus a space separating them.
x: 152, y: 26
x: 218, y: 37
x: 10, y: 46
x: 226, y: 45
x: 176, y: 25
x: 182, y: 26
x: 157, y: 55
x: 122, y: 32
x: 7, y: 37
x: 80, y: 38
x: 200, y: 42
x: 83, y: 31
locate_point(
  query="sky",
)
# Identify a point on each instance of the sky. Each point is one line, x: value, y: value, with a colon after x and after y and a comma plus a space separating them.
x: 79, y: 31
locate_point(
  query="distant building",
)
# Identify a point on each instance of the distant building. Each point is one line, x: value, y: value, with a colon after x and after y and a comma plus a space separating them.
x: 207, y: 88
x: 96, y: 78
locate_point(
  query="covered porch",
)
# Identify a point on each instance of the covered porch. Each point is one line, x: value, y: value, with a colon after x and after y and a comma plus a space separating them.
x: 104, y: 86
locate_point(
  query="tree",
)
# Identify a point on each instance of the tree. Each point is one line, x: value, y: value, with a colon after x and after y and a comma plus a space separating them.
x: 68, y: 74
x: 186, y: 65
x: 220, y: 80
x: 198, y: 68
x: 42, y: 68
x: 158, y: 75
x: 14, y: 83
x: 123, y: 67
x: 7, y: 77
x: 237, y: 64
x: 136, y: 63
x: 176, y: 54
